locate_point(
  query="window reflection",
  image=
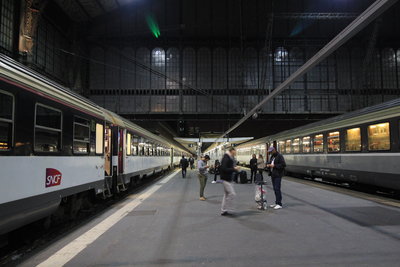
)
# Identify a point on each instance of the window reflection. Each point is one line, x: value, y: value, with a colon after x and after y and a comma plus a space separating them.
x: 281, y: 146
x: 296, y: 145
x: 334, y: 142
x: 306, y: 144
x: 319, y: 143
x: 353, y: 139
x: 379, y: 137
x: 288, y: 146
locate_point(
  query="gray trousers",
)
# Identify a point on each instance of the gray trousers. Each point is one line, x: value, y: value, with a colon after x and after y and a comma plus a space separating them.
x: 229, y: 196
x: 203, y: 182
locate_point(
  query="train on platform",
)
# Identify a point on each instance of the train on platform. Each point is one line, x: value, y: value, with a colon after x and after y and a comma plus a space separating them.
x: 57, y: 147
x: 360, y: 147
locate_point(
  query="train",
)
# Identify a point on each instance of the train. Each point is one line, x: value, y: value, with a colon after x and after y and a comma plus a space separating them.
x: 57, y: 147
x: 360, y: 147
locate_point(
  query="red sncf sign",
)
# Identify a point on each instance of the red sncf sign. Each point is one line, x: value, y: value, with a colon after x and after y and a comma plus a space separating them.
x: 53, y: 177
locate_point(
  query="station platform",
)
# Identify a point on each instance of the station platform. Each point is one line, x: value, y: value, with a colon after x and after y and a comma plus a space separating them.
x: 167, y: 225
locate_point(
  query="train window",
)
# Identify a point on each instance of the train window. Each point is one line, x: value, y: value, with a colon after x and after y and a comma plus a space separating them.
x: 334, y: 142
x: 147, y: 149
x: 353, y: 139
x: 6, y: 120
x: 81, y: 142
x: 318, y: 143
x: 142, y: 146
x: 128, y: 144
x: 48, y: 123
x: 296, y: 146
x: 288, y: 146
x: 134, y: 145
x: 306, y: 144
x: 281, y: 146
x: 379, y: 137
x: 99, y: 138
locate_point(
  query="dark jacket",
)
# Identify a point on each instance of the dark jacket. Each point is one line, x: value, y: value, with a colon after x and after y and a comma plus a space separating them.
x: 279, y: 170
x: 226, y: 169
x: 217, y: 166
x: 184, y: 163
x: 253, y: 164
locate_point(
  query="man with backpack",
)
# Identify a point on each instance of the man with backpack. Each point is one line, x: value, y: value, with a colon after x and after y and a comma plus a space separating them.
x: 191, y: 162
x: 184, y: 164
x: 276, y: 167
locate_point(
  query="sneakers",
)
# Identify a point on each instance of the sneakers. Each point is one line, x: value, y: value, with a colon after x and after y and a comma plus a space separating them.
x: 213, y: 182
x: 202, y: 198
x: 225, y: 213
x: 275, y: 206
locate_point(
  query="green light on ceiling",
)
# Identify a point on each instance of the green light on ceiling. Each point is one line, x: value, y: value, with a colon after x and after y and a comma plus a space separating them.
x: 153, y: 25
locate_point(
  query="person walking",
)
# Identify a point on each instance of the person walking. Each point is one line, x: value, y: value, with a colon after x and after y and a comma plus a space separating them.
x: 202, y: 167
x: 260, y: 166
x: 227, y: 170
x: 191, y: 162
x: 184, y: 164
x: 217, y: 166
x: 277, y: 166
x: 253, y: 168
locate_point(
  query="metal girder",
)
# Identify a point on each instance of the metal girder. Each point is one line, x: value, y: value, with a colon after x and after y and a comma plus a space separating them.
x: 370, y: 14
x: 317, y: 15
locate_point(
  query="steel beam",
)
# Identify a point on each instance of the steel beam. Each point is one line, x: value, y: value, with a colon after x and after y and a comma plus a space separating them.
x: 370, y: 14
x: 317, y: 16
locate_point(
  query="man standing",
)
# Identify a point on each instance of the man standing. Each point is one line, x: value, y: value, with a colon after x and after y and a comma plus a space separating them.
x: 184, y: 164
x: 202, y: 166
x: 227, y: 170
x: 253, y: 167
x: 277, y: 167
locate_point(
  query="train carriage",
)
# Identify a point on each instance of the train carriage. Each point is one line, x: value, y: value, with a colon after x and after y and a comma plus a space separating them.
x: 57, y: 147
x: 357, y: 147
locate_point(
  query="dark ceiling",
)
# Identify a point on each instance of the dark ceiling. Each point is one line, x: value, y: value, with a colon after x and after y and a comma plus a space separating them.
x: 228, y: 22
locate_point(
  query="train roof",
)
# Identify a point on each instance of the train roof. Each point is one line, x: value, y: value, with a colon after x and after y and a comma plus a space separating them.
x: 381, y: 111
x: 23, y: 76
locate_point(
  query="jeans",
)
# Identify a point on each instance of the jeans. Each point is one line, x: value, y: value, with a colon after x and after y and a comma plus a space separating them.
x: 229, y: 196
x: 183, y: 172
x: 253, y: 175
x: 203, y: 182
x: 260, y: 171
x: 276, y: 183
x: 215, y: 177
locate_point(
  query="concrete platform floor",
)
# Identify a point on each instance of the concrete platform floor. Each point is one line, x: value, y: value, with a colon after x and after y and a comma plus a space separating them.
x: 171, y: 227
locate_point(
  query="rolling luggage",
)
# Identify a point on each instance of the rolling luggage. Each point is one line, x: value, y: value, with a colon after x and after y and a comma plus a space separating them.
x: 243, y: 177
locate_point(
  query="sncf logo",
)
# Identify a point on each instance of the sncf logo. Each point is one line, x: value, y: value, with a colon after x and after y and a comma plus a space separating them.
x: 53, y: 177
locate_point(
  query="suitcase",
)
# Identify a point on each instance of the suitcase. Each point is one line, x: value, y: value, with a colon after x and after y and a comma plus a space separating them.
x: 243, y: 177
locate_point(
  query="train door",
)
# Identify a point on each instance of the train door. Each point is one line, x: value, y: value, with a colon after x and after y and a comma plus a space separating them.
x: 108, y: 151
x: 172, y: 157
x: 115, y: 150
x: 121, y: 143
